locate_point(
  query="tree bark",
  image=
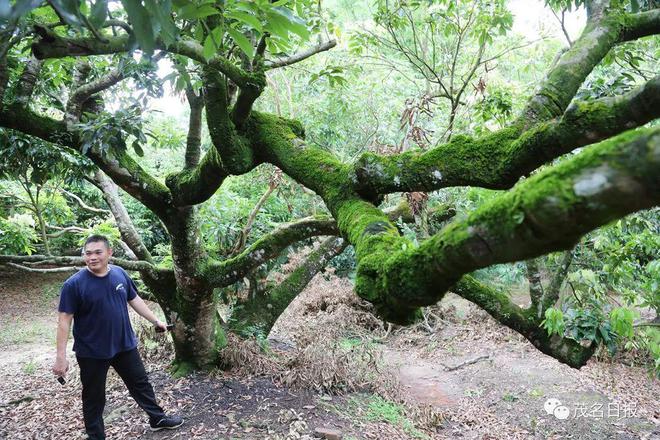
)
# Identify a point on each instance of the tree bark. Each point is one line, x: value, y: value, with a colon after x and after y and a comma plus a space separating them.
x: 261, y: 311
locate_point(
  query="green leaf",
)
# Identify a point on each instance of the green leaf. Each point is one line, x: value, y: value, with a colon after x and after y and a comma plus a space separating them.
x: 209, y: 48
x: 192, y: 12
x: 249, y: 7
x: 138, y: 149
x: 212, y: 42
x: 290, y: 22
x: 98, y: 13
x: 68, y: 10
x: 206, y: 10
x: 242, y: 42
x: 162, y: 15
x: 141, y: 24
x: 246, y: 18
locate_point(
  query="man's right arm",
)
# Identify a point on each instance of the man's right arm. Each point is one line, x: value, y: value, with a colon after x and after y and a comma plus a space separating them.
x: 63, y: 327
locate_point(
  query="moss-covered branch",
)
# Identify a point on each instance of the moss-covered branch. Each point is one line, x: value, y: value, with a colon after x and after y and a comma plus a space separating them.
x: 229, y: 271
x: 545, y: 213
x: 552, y: 292
x: 85, y: 91
x: 367, y: 228
x: 118, y: 165
x: 535, y: 284
x: 641, y: 25
x: 28, y: 80
x: 248, y: 94
x: 237, y: 156
x: 229, y: 155
x: 498, y: 160
x: 4, y: 80
x: 52, y: 45
x: 548, y: 212
x: 194, y: 138
x: 602, y: 33
x: 523, y: 321
x: 261, y: 311
x: 195, y: 185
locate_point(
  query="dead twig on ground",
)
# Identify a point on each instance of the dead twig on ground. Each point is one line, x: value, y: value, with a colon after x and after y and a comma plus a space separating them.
x: 466, y: 363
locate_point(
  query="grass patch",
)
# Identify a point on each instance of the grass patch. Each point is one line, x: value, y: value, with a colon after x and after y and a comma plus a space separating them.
x: 473, y: 392
x: 536, y: 392
x: 49, y: 293
x: 29, y: 368
x: 15, y: 333
x: 374, y: 408
x: 510, y: 397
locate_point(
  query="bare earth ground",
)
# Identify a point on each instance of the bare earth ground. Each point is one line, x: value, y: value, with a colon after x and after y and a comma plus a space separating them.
x: 499, y: 396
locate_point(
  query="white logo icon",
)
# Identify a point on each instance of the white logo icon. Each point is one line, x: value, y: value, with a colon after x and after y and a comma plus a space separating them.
x: 120, y: 286
x: 553, y: 406
x: 562, y: 412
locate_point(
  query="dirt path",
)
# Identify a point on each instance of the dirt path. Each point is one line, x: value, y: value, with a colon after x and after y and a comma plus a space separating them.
x: 519, y: 387
x: 504, y: 394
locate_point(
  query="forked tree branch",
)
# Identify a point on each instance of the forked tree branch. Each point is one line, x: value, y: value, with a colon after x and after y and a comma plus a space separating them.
x: 234, y: 269
x: 300, y: 56
x: 262, y: 310
x: 84, y: 205
x: 524, y: 321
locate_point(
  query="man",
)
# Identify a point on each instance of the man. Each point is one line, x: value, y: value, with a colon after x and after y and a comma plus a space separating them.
x: 95, y: 300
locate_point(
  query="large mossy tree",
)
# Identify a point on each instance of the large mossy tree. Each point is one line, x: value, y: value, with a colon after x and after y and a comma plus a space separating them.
x: 599, y: 162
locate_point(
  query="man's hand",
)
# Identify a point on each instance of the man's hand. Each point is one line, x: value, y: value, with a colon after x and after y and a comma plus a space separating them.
x: 160, y: 326
x: 61, y: 367
x: 63, y: 326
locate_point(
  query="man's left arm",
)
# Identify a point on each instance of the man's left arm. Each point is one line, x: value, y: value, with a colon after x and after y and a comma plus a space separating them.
x: 143, y: 310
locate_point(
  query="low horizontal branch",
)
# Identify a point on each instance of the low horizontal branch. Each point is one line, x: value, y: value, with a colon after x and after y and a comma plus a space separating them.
x: 49, y: 270
x: 75, y: 261
x: 262, y: 310
x: 121, y: 167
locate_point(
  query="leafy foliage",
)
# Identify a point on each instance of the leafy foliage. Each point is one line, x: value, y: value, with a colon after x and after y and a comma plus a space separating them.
x: 17, y: 235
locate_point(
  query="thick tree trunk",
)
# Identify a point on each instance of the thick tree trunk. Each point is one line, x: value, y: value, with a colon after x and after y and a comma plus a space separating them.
x: 197, y: 334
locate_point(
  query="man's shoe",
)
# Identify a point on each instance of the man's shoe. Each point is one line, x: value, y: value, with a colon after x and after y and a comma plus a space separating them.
x: 171, y: 422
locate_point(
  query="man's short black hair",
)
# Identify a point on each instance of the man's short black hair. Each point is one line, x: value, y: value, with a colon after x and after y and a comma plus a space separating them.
x: 97, y: 238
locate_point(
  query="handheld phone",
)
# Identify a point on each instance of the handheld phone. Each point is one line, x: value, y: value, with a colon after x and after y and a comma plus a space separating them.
x: 61, y: 380
x: 169, y: 328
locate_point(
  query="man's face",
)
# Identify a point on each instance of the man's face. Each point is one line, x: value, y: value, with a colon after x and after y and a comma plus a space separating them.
x: 96, y: 256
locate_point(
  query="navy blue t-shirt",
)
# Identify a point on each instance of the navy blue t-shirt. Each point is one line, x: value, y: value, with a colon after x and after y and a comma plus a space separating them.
x: 101, y: 327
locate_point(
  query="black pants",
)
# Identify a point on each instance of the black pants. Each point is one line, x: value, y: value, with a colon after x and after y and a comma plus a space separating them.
x: 93, y: 373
